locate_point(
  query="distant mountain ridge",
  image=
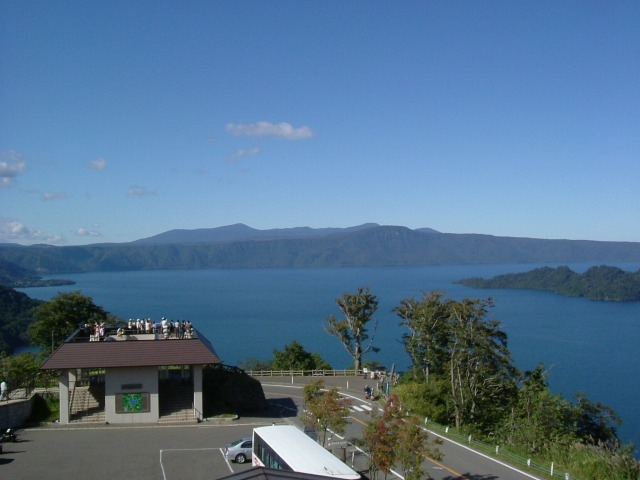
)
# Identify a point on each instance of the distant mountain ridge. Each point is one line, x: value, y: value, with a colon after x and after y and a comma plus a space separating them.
x: 368, y: 245
x: 241, y: 232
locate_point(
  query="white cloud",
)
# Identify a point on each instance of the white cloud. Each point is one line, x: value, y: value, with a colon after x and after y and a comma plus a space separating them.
x: 85, y: 232
x: 98, y: 164
x: 242, y: 152
x: 137, y: 191
x: 14, y: 231
x: 11, y: 164
x: 47, y: 196
x: 268, y: 129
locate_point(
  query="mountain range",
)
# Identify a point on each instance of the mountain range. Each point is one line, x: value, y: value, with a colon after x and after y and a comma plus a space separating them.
x: 240, y: 246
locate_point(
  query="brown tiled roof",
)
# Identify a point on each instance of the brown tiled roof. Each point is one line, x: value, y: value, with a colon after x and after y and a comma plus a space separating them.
x: 132, y: 353
x: 262, y: 473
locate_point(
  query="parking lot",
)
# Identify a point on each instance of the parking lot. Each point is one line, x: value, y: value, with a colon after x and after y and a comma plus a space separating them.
x: 106, y: 452
x: 145, y: 452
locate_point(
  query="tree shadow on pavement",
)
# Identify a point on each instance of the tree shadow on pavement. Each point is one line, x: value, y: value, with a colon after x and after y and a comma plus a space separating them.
x: 281, y: 408
x: 472, y: 476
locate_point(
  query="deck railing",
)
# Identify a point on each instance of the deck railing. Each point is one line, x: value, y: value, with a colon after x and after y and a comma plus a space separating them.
x: 304, y: 373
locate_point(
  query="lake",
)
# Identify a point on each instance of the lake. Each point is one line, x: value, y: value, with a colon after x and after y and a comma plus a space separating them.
x: 588, y: 346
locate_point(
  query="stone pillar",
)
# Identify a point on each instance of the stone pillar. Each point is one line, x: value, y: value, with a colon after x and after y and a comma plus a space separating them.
x: 63, y: 383
x: 197, y: 392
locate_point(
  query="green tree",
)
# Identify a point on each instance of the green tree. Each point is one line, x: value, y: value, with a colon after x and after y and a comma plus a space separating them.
x: 352, y: 331
x: 326, y: 409
x: 595, y: 423
x: 61, y: 316
x: 427, y: 322
x: 255, y: 364
x: 481, y: 373
x: 538, y: 419
x: 295, y: 357
x: 452, y: 344
x: 20, y: 371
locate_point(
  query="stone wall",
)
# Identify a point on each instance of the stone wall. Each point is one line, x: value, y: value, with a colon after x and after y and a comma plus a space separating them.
x: 14, y: 414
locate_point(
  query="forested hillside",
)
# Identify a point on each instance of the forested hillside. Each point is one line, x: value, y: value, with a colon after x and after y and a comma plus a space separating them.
x: 369, y: 245
x: 13, y: 275
x: 597, y: 283
x: 15, y: 316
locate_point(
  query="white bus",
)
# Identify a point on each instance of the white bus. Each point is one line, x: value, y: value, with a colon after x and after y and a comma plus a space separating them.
x: 285, y: 447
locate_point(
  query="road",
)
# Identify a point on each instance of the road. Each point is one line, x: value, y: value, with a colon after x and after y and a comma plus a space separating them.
x: 459, y: 461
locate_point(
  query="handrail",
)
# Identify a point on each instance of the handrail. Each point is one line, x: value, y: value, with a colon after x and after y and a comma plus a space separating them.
x: 198, y: 414
x: 304, y: 373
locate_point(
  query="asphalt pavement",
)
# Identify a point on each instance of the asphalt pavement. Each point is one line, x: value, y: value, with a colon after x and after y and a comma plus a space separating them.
x: 144, y: 452
x: 180, y: 452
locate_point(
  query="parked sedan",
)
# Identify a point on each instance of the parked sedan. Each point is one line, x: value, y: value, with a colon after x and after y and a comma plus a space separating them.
x: 239, y: 451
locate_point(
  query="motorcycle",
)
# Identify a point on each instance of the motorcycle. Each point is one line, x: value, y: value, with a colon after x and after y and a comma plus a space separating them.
x: 368, y: 393
x: 8, y: 436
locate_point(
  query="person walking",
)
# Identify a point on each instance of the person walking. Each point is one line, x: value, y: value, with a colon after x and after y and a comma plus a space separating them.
x: 3, y: 391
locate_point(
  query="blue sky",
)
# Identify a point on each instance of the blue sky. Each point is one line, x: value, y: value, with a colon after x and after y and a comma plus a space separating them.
x: 120, y: 120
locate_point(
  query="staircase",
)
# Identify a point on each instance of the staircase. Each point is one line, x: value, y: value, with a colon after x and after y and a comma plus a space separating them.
x: 176, y: 403
x: 87, y: 405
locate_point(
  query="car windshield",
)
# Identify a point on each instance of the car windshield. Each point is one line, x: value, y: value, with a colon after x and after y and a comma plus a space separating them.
x: 238, y: 442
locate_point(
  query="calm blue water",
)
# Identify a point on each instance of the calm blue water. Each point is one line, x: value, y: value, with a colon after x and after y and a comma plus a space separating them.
x: 589, y: 346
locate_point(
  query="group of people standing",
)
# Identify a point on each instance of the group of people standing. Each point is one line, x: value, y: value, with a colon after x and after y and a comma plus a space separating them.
x: 167, y: 328
x: 140, y: 325
x: 178, y: 328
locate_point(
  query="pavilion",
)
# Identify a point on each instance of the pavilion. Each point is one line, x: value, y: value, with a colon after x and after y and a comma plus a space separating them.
x: 131, y: 377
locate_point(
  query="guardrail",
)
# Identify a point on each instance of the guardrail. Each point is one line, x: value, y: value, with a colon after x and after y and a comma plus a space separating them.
x: 545, y: 468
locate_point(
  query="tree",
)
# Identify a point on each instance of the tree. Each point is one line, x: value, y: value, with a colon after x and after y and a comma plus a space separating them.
x: 61, y: 316
x: 254, y: 364
x: 428, y: 337
x: 396, y: 438
x: 326, y: 409
x: 596, y: 423
x: 413, y: 445
x: 480, y: 369
x: 453, y: 344
x: 538, y: 419
x: 295, y: 357
x: 20, y: 371
x: 378, y: 441
x: 352, y: 331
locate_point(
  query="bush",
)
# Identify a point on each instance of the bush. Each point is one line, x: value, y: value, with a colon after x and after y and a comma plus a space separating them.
x: 44, y: 409
x: 231, y: 390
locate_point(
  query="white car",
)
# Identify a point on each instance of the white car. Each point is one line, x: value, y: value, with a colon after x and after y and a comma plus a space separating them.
x: 240, y: 450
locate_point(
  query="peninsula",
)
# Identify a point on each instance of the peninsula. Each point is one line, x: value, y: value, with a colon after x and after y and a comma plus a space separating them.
x: 597, y: 283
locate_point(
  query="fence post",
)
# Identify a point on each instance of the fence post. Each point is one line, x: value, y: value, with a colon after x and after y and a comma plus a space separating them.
x: 552, y: 469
